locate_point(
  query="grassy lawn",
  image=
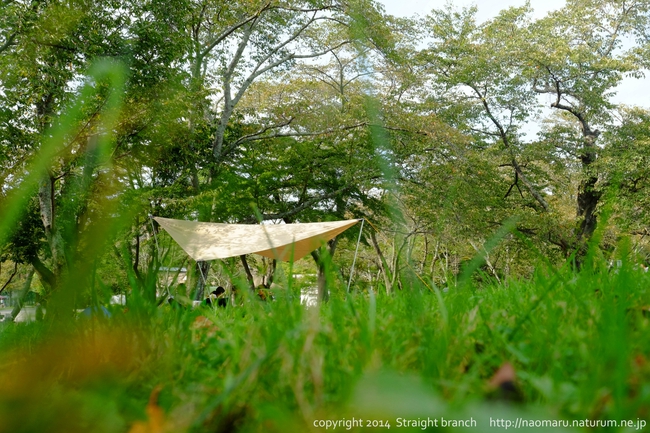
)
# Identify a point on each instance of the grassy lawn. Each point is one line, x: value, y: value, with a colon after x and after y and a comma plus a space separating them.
x: 562, y: 346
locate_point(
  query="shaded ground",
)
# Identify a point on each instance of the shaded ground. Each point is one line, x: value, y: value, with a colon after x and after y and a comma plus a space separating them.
x: 27, y: 314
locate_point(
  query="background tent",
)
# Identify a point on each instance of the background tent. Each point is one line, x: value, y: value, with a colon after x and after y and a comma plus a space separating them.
x: 209, y: 241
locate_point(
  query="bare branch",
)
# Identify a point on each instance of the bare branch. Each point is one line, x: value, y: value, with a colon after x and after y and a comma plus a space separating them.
x: 257, y: 72
x: 223, y: 35
x: 506, y: 143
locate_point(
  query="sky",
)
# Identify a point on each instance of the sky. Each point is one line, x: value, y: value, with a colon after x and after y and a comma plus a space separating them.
x: 630, y: 91
x: 486, y: 8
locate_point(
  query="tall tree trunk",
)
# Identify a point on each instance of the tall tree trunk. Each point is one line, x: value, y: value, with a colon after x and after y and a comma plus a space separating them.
x: 53, y: 235
x: 588, y: 196
x: 423, y: 263
x: 45, y: 108
x: 434, y: 259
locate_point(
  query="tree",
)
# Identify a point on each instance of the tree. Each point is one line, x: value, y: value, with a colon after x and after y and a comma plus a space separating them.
x: 623, y: 166
x: 491, y: 74
x: 480, y: 63
x: 58, y: 123
x: 477, y: 165
x: 232, y: 48
x: 578, y: 56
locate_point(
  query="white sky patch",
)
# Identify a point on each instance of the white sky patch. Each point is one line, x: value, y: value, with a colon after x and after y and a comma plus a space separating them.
x: 486, y: 8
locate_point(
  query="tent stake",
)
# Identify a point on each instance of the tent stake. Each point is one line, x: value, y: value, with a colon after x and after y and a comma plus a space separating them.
x: 355, y: 255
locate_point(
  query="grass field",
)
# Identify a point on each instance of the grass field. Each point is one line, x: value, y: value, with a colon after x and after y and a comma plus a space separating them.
x: 562, y: 346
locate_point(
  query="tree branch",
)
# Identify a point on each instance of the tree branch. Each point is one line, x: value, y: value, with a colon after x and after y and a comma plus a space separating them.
x: 249, y: 275
x: 9, y: 42
x: 506, y: 142
x: 10, y: 278
x: 23, y: 296
x: 260, y: 134
x: 44, y: 273
x: 221, y: 37
x: 297, y: 209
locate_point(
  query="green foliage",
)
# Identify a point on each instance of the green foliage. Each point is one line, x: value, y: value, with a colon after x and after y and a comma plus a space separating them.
x: 624, y: 166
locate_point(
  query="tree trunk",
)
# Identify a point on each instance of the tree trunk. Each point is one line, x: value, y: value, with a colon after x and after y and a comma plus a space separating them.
x: 202, y: 270
x: 383, y: 265
x: 47, y: 277
x: 434, y: 259
x: 53, y: 235
x: 23, y: 296
x: 270, y: 273
x: 136, y: 255
x: 322, y: 262
x: 323, y: 292
x: 249, y: 275
x: 426, y: 254
x: 588, y: 196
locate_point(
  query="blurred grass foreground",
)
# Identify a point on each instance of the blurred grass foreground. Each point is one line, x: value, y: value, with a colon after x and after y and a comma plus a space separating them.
x: 563, y: 344
x: 566, y: 346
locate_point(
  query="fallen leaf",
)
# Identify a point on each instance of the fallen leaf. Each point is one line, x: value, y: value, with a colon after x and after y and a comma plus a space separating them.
x: 503, y: 384
x: 155, y: 422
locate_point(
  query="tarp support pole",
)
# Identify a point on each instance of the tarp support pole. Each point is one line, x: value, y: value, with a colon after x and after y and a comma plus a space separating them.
x: 155, y: 237
x: 205, y: 283
x: 355, y: 255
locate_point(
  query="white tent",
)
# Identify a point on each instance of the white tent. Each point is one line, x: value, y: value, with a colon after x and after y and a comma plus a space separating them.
x: 209, y: 241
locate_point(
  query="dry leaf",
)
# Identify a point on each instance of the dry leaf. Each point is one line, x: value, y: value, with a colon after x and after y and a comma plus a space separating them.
x: 503, y: 384
x: 155, y: 422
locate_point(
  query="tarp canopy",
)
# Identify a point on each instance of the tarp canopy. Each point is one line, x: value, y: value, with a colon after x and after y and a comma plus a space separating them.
x: 209, y: 241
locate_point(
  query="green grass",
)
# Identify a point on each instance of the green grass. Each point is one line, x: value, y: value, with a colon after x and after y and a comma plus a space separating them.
x: 579, y: 344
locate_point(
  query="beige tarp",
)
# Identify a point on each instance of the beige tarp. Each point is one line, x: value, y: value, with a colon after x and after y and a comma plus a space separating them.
x: 209, y: 241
